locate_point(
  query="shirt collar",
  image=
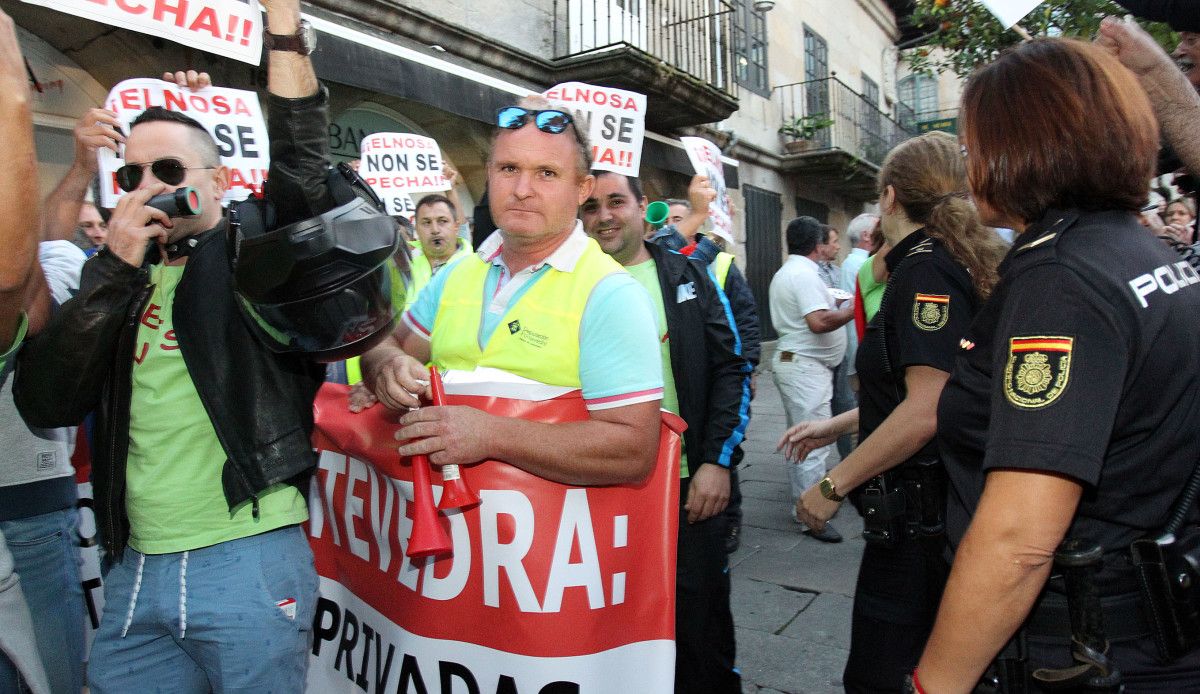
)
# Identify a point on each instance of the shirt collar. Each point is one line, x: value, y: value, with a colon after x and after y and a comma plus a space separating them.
x: 563, y: 258
x: 806, y: 261
x: 901, y: 249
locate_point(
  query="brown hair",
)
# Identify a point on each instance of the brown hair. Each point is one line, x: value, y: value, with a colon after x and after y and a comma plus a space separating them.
x: 930, y: 181
x: 1058, y: 123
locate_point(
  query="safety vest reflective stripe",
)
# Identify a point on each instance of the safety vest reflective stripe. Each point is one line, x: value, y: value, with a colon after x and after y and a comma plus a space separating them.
x: 720, y: 267
x: 538, y: 336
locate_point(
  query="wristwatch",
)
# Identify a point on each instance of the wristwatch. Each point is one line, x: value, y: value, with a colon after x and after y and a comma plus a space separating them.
x: 828, y: 490
x: 302, y: 42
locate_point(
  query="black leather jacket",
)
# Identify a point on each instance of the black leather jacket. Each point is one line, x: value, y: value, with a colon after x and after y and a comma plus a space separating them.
x: 259, y: 402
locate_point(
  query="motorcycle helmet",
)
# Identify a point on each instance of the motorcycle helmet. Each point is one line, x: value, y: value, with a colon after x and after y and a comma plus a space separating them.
x: 320, y: 286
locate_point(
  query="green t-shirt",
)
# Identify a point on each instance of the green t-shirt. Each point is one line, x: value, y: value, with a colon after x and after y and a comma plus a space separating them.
x: 173, y: 494
x: 18, y: 338
x: 872, y: 291
x: 647, y: 275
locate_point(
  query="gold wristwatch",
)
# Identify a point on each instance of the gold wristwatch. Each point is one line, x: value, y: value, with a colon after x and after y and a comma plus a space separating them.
x: 828, y: 490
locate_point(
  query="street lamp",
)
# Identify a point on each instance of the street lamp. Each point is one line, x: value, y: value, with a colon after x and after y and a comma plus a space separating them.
x: 764, y: 5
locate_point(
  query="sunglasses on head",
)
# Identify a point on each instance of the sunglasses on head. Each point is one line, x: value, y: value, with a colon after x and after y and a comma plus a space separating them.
x: 550, y: 121
x: 168, y: 170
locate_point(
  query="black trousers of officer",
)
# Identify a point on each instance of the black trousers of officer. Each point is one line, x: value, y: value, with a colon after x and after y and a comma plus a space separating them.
x: 895, y: 604
x: 704, y: 641
x: 1136, y: 659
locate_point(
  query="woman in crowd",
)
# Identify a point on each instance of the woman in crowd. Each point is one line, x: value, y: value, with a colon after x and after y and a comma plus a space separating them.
x: 942, y: 263
x: 1068, y: 425
x: 1180, y: 220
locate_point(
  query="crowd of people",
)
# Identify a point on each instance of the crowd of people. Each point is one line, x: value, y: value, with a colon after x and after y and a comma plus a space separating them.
x: 1011, y: 419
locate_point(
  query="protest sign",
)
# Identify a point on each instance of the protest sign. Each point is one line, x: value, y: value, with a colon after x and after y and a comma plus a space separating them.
x: 89, y: 544
x: 230, y: 28
x: 1009, y: 12
x: 706, y: 160
x: 232, y: 116
x: 614, y: 120
x: 400, y: 165
x: 550, y: 588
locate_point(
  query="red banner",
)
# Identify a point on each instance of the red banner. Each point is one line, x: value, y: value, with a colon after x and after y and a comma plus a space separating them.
x: 549, y: 588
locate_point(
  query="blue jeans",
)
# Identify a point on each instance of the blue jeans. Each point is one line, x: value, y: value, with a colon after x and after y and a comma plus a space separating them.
x: 233, y: 617
x: 45, y: 551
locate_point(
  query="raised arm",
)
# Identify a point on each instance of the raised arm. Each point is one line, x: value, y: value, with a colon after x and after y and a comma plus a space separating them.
x: 18, y: 193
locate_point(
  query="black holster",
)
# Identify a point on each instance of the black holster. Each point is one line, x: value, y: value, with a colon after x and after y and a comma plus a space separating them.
x: 909, y: 502
x: 1168, y: 570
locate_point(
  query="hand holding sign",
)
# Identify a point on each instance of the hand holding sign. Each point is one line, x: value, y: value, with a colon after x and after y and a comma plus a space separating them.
x: 706, y: 159
x: 190, y: 79
x: 97, y: 129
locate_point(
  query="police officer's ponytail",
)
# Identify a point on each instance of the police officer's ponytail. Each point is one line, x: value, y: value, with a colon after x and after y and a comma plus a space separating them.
x: 930, y: 181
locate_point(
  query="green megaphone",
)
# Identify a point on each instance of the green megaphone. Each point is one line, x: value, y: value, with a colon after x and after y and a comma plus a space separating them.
x: 657, y: 213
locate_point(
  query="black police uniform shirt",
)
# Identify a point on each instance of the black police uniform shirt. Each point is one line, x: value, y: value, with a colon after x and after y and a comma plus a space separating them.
x: 927, y: 307
x: 1084, y: 363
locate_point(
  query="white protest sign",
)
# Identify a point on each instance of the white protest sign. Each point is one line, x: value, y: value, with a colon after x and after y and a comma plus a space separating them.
x: 230, y: 28
x: 233, y: 117
x: 1009, y: 12
x: 614, y: 119
x: 706, y: 160
x: 399, y: 165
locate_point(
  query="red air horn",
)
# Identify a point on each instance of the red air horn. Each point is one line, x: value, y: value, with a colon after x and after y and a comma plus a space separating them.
x: 428, y: 536
x: 455, y: 492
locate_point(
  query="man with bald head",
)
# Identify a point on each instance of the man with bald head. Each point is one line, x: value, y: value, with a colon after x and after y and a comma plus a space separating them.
x: 559, y: 313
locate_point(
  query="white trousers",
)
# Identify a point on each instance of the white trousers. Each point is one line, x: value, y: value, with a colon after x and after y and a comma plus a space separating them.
x: 806, y: 386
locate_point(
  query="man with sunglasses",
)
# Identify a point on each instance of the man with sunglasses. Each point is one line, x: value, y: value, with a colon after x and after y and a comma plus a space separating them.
x: 202, y: 432
x: 559, y: 312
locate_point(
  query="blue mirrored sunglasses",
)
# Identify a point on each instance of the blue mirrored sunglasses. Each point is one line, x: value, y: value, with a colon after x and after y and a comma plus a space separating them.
x: 548, y: 121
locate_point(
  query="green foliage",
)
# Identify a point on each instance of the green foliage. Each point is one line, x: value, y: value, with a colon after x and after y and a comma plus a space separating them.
x: 969, y: 35
x: 806, y: 127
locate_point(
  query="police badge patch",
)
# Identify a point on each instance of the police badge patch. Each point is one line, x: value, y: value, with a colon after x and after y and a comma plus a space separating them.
x: 931, y: 311
x: 1037, y: 370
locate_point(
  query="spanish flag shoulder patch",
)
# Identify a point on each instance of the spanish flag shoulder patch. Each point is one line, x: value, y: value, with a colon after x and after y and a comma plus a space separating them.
x: 1038, y: 369
x: 930, y: 311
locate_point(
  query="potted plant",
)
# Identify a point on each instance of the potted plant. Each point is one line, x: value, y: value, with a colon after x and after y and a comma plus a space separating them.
x: 802, y: 129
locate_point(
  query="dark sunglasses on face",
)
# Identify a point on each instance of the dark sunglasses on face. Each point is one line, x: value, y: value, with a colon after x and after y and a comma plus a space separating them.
x: 168, y: 170
x: 548, y: 121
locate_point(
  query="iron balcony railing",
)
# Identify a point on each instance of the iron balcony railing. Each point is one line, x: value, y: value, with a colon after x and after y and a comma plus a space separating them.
x: 859, y: 127
x: 690, y: 35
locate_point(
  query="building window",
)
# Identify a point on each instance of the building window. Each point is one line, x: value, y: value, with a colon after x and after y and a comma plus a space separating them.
x: 816, y: 73
x: 919, y: 98
x: 870, y: 91
x: 750, y: 48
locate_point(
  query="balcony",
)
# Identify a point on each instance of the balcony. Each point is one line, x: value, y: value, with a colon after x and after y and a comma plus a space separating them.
x: 846, y: 153
x: 677, y: 52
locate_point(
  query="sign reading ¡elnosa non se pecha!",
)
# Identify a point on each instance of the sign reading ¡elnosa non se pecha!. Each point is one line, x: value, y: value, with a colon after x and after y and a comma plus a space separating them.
x: 614, y: 119
x: 706, y: 160
x: 229, y: 28
x: 233, y: 117
x: 401, y: 165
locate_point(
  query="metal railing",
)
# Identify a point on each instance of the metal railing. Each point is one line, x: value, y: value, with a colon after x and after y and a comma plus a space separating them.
x: 858, y: 127
x: 690, y: 35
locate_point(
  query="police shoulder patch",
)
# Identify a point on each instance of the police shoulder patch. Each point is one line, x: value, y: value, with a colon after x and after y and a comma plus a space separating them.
x: 931, y: 311
x: 1038, y: 369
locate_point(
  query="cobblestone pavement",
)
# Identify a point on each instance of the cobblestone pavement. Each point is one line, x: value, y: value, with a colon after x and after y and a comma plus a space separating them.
x: 791, y: 594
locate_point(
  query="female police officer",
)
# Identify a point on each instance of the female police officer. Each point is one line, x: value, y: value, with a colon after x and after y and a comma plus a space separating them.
x: 941, y: 263
x: 1072, y: 408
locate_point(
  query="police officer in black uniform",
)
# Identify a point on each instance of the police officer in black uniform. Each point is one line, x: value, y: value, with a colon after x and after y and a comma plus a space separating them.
x: 941, y: 263
x: 1068, y: 428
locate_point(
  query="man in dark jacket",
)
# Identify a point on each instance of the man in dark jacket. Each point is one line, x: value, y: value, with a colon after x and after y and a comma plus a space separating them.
x: 706, y: 383
x: 202, y: 433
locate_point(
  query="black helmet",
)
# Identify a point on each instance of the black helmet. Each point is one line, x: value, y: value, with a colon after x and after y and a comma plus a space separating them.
x: 320, y: 286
